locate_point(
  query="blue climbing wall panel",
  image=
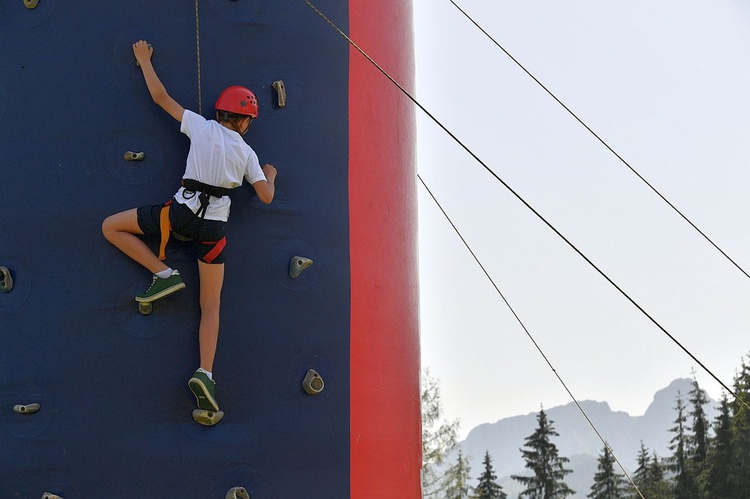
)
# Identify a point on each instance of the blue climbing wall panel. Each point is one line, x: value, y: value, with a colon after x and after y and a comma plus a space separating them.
x: 115, y: 408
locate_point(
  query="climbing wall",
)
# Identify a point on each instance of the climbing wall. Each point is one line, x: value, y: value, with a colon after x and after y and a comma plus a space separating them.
x: 114, y: 411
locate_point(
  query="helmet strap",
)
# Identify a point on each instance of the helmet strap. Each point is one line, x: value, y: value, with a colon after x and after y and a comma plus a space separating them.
x: 234, y: 123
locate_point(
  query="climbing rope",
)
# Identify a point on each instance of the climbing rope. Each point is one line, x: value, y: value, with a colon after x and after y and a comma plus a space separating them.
x: 605, y: 144
x: 198, y: 55
x: 531, y: 208
x: 528, y: 333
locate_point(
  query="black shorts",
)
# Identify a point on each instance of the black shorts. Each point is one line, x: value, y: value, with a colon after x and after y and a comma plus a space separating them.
x: 209, y: 237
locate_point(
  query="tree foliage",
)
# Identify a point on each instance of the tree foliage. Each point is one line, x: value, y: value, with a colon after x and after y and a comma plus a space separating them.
x: 699, y: 439
x: 685, y: 484
x: 708, y: 461
x: 640, y: 476
x: 547, y: 466
x: 438, y: 436
x: 718, y: 466
x: 739, y: 476
x: 456, y: 480
x: 488, y: 488
x: 608, y: 484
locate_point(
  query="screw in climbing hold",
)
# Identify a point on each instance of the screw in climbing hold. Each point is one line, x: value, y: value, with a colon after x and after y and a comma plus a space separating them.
x: 297, y: 264
x: 313, y: 383
x: 31, y: 4
x: 278, y: 85
x: 134, y: 156
x: 237, y: 493
x: 6, y: 280
x: 26, y: 408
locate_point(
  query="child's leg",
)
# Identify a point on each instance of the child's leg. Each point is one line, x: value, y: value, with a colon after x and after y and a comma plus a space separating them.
x: 211, y: 281
x: 121, y: 229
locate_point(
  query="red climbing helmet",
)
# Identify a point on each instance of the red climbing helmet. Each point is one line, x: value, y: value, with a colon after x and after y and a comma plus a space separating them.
x: 238, y: 100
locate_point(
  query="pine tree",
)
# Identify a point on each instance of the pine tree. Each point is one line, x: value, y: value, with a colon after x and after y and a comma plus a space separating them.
x: 542, y: 459
x: 640, y: 476
x: 487, y: 487
x: 740, y: 476
x: 607, y: 483
x: 699, y: 439
x: 456, y: 480
x: 685, y: 485
x: 438, y: 437
x: 698, y: 449
x: 656, y: 486
x: 719, y: 458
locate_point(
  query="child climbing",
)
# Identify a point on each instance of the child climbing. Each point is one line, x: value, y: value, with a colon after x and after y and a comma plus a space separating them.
x: 217, y: 162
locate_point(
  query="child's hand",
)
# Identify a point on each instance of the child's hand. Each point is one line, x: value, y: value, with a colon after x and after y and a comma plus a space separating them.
x: 142, y: 51
x: 270, y: 172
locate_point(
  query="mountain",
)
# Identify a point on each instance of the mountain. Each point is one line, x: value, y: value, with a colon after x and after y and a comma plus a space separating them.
x: 577, y: 440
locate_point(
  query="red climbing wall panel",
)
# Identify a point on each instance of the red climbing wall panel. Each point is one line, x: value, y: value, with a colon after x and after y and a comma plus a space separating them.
x: 385, y: 404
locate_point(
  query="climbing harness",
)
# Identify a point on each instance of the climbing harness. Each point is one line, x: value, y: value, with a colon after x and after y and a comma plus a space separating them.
x: 205, y: 191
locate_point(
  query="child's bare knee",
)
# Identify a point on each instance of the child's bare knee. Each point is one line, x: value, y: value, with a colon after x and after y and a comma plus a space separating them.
x: 107, y: 227
x: 110, y: 227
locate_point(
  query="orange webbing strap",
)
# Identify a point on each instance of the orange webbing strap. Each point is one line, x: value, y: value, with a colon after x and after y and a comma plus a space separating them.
x: 166, y: 228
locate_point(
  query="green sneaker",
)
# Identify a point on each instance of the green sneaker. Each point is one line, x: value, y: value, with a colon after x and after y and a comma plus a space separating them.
x: 203, y: 388
x: 162, y: 287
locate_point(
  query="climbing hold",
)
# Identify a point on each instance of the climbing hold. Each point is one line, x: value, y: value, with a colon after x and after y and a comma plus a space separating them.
x: 237, y: 493
x: 6, y: 280
x: 278, y: 85
x: 134, y: 156
x: 31, y: 4
x: 145, y: 308
x: 313, y: 383
x: 50, y: 495
x: 207, y: 418
x: 26, y: 409
x: 297, y: 264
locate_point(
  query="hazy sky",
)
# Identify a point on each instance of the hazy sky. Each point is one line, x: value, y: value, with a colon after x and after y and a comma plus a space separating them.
x: 666, y: 85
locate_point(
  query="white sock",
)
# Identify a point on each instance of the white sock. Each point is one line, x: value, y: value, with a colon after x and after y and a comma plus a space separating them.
x: 164, y: 273
x: 210, y: 376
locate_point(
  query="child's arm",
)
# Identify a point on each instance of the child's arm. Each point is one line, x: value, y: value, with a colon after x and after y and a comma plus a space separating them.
x: 266, y: 188
x: 155, y: 87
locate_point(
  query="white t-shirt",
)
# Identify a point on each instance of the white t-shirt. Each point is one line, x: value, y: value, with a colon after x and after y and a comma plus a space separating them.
x: 218, y: 156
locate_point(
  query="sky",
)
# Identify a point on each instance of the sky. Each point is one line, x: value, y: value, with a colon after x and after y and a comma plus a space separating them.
x: 666, y: 85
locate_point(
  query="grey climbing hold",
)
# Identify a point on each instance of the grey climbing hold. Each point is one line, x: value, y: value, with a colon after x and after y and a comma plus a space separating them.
x: 278, y: 85
x: 237, y: 493
x: 31, y: 4
x: 6, y: 280
x: 297, y: 264
x: 26, y: 408
x: 134, y: 156
x: 50, y: 495
x: 313, y: 383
